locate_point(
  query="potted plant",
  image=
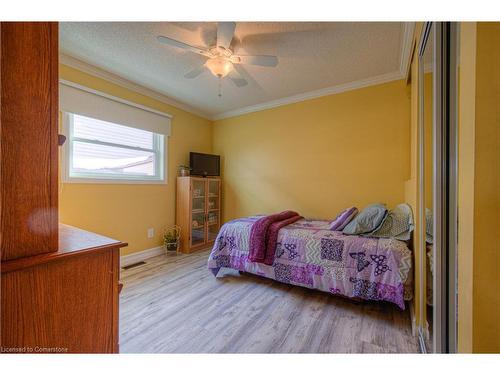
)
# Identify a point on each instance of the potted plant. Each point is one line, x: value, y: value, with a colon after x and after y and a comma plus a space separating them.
x: 171, y: 238
x: 184, y: 170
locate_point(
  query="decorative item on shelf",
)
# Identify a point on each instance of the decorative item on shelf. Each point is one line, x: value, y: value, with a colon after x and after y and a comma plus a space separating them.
x: 184, y: 170
x: 197, y: 193
x: 212, y: 218
x: 171, y: 237
x: 195, y: 223
x: 211, y: 204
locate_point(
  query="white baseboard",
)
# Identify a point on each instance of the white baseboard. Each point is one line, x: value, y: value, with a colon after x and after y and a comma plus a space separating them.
x: 140, y: 256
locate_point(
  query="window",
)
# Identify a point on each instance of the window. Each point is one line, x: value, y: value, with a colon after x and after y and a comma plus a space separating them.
x: 101, y: 150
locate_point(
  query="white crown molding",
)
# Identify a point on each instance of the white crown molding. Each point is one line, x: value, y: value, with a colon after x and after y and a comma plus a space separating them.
x: 123, y: 82
x: 377, y: 80
x: 406, y: 44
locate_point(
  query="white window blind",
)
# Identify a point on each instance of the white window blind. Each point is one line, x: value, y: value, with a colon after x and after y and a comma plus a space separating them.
x: 100, y: 106
x: 102, y: 150
x: 111, y: 140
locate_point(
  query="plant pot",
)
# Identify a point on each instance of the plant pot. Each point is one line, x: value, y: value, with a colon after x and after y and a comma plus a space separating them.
x: 183, y: 172
x: 171, y: 246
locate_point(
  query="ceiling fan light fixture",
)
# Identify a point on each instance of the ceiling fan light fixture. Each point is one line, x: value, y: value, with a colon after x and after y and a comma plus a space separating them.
x: 219, y: 67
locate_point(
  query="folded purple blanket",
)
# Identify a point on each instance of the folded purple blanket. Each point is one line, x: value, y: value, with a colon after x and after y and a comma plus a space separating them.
x: 272, y: 237
x: 259, y: 234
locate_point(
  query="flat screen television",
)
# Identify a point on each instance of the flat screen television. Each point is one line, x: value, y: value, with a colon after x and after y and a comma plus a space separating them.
x: 204, y: 164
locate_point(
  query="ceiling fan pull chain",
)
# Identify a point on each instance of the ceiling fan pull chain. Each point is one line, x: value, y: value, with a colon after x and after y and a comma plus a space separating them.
x: 220, y: 87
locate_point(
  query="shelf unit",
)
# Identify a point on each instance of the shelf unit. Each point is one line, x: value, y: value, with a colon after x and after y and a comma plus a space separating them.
x: 198, y: 211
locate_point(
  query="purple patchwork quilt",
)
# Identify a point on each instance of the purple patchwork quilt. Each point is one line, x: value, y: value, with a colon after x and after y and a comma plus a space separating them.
x: 311, y: 255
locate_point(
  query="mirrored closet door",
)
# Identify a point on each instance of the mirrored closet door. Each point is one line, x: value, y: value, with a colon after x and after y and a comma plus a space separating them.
x: 438, y: 183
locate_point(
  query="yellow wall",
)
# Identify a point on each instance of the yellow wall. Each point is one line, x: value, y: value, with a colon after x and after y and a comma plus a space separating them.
x: 479, y: 188
x: 317, y: 156
x: 467, y: 99
x: 486, y: 295
x: 126, y: 211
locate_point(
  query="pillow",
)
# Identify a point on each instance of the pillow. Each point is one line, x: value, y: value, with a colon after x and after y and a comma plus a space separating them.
x: 367, y: 220
x: 398, y: 224
x: 343, y: 218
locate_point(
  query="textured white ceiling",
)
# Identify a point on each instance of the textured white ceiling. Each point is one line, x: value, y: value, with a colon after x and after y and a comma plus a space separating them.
x: 312, y: 56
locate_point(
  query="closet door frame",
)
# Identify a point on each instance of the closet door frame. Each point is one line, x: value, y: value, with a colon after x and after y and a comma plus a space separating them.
x: 445, y: 182
x: 423, y: 329
x: 446, y: 187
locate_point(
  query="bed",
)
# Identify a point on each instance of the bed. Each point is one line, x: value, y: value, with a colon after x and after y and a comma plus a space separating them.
x: 311, y: 255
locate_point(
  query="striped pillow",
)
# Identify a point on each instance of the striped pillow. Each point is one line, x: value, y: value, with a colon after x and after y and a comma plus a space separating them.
x: 343, y: 218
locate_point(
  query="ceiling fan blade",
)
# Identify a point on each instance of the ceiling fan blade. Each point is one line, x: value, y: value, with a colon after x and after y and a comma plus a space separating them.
x: 262, y: 60
x: 239, y: 82
x: 237, y: 79
x: 195, y: 72
x: 225, y: 33
x: 175, y: 43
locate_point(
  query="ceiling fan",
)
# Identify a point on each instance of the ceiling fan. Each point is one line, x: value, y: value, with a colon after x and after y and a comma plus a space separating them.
x: 220, y: 57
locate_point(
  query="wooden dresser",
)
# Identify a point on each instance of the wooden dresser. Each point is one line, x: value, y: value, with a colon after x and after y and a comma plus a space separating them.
x: 59, y: 284
x: 63, y: 301
x: 198, y: 211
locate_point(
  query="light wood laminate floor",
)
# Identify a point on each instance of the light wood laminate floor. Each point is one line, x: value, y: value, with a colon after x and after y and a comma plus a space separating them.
x: 173, y: 304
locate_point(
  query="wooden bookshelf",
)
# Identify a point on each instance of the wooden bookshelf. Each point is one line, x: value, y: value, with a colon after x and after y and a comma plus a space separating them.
x: 198, y: 199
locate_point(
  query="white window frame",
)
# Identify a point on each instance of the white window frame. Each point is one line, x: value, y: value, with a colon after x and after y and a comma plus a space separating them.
x: 159, y: 149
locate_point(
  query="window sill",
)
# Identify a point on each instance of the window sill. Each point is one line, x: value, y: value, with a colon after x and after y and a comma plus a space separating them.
x: 112, y: 181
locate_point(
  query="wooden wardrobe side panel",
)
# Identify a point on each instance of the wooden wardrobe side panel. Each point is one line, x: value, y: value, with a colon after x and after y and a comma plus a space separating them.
x: 29, y: 157
x: 1, y: 195
x: 70, y: 304
x: 116, y: 289
x: 183, y: 214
